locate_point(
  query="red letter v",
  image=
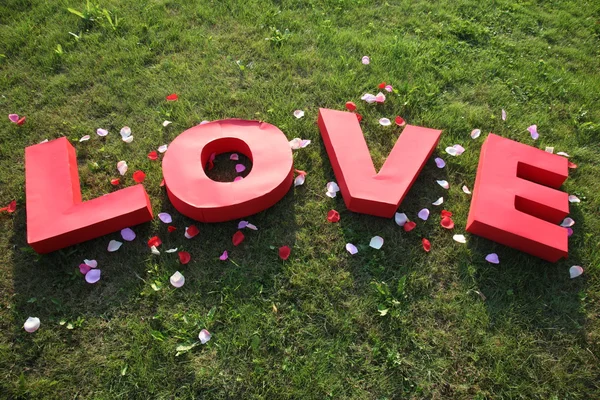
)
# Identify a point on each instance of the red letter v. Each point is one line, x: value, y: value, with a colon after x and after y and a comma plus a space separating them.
x: 364, y: 190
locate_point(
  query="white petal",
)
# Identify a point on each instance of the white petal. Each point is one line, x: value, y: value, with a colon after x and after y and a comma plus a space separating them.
x: 171, y: 250
x: 128, y: 139
x: 162, y: 148
x: 32, y: 324
x: 475, y: 133
x: 562, y: 153
x: 574, y: 199
x: 351, y: 248
x: 366, y: 60
x: 574, y: 271
x: 252, y: 226
x: 466, y: 189
x: 114, y: 245
x: 503, y: 115
x: 177, y: 279
x: 204, y: 122
x: 91, y: 263
x: 401, y: 219
x: 443, y: 184
x: 122, y: 167
x: 154, y: 251
x: 385, y: 122
x: 44, y: 141
x: 332, y: 187
x: 125, y: 132
x: 331, y: 194
x: 304, y: 143
x: 452, y: 151
x: 550, y: 150
x: 298, y: 114
x: 165, y: 217
x: 93, y: 275
x: 295, y: 143
x: 438, y: 201
x: 423, y: 214
x: 101, y: 132
x: 84, y: 138
x: 299, y: 181
x: 376, y: 242
x: 460, y: 238
x: 492, y: 258
x: 369, y: 98
x: 204, y: 336
x: 567, y: 222
x: 166, y: 123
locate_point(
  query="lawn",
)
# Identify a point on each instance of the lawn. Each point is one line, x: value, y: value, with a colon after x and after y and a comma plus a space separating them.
x: 394, y: 323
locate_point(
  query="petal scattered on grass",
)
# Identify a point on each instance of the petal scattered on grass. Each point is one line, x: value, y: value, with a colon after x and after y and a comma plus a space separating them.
x: 166, y: 123
x: 503, y: 115
x: 475, y: 133
x: 128, y: 139
x: 567, y: 222
x: 569, y: 232
x: 165, y: 217
x: 575, y: 271
x: 298, y: 114
x: 237, y: 238
x: 10, y: 208
x: 333, y: 216
x: 84, y: 138
x: 466, y: 189
x: 444, y: 184
x: 122, y: 167
x: 13, y: 118
x: 162, y: 148
x: 84, y: 268
x: 409, y: 226
x: 351, y: 248
x: 191, y: 231
x: 438, y: 201
x: 459, y: 149
x: 388, y: 88
x: 177, y: 279
x: 184, y: 257
x: 115, y: 181
x: 204, y: 336
x: 562, y: 153
x: 376, y: 242
x: 101, y: 132
x: 380, y: 97
x: 452, y: 151
x: 155, y: 251
x: 385, y: 122
x: 93, y: 276
x: 153, y: 155
x: 400, y: 219
x: 171, y: 250
x: 572, y: 165
x: 369, y: 98
x: 224, y: 256
x: 139, y: 176
x: 445, y: 213
x: 460, y: 238
x: 154, y: 241
x: 114, y: 245
x: 172, y: 97
x: 91, y: 263
x: 426, y: 245
x: 128, y: 234
x: 284, y: 252
x: 492, y: 258
x: 447, y: 223
x: 366, y: 60
x: 574, y: 199
x: 125, y: 132
x: 21, y: 121
x: 350, y: 106
x: 440, y: 163
x: 423, y: 214
x: 32, y: 324
x: 533, y: 131
x: 299, y: 181
x: 399, y: 121
x: 171, y: 228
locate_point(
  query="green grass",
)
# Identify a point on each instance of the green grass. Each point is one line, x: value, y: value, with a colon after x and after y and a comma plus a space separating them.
x: 308, y: 327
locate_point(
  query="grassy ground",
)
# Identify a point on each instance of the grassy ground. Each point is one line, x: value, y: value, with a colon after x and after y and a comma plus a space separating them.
x: 308, y: 327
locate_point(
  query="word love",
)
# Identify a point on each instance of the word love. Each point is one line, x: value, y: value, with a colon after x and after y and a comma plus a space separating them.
x: 514, y: 200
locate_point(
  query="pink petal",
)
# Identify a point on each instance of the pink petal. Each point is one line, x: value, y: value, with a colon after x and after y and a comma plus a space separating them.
x: 114, y: 245
x: 492, y: 258
x: 84, y: 268
x: 13, y: 117
x: 380, y: 97
x: 533, y: 131
x: 503, y: 115
x: 575, y: 271
x: 165, y: 217
x: 224, y: 256
x: 240, y: 168
x: 376, y: 242
x: 444, y: 184
x: 177, y: 279
x: 475, y: 133
x: 295, y: 143
x: 574, y: 199
x: 234, y: 157
x: 459, y: 149
x: 440, y: 163
x: 389, y: 88
x: 351, y: 248
x: 567, y: 222
x: 127, y: 234
x: 204, y: 336
x: 385, y: 122
x: 366, y: 60
x: 438, y: 201
x: 466, y: 189
x: 122, y: 167
x: 84, y: 138
x: 423, y: 214
x: 93, y: 276
x: 101, y: 132
x: 238, y: 178
x: 401, y: 219
x: 569, y: 232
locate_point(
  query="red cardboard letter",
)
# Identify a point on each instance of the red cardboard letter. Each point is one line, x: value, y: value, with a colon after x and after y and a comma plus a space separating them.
x: 196, y: 195
x: 514, y: 202
x: 364, y: 190
x: 56, y: 216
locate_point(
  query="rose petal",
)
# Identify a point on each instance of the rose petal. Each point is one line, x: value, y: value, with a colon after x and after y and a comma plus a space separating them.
x: 242, y: 224
x: 238, y: 178
x: 400, y: 219
x: 122, y: 167
x: 84, y: 268
x: 369, y: 98
x: 333, y: 187
x: 154, y: 241
x: 466, y: 189
x: 295, y: 143
x: 562, y: 153
x: 91, y: 263
x: 128, y: 139
x: 284, y: 252
x: 350, y: 106
x: 575, y: 271
x: 443, y: 184
x: 475, y: 133
x: 184, y: 257
x: 177, y: 279
x: 358, y: 117
x: 298, y: 114
x: 492, y: 258
x: 533, y: 131
x: 114, y: 245
x: 224, y: 256
x: 333, y: 216
x: 503, y: 115
x: 204, y: 336
x: 445, y: 213
x: 162, y: 148
x: 459, y: 149
x: 381, y: 85
x: 385, y: 122
x: 572, y: 165
x: 13, y: 118
x: 127, y: 234
x: 550, y: 150
x: 574, y: 199
x: 32, y: 324
x: 426, y: 245
x: 166, y: 123
x: 21, y: 121
x: 153, y: 155
x: 240, y: 168
x: 115, y: 182
x: 125, y: 132
x: 438, y: 201
x: 460, y: 238
x: 366, y: 60
x: 155, y: 251
x: 171, y: 228
x: 389, y: 88
x: 172, y: 97
x: 252, y: 226
x: 191, y: 231
x: 299, y: 181
x: 10, y: 208
x: 567, y: 222
x: 439, y: 162
x: 423, y: 214
x: 139, y: 176
x: 331, y: 194
x: 447, y: 223
x: 234, y: 157
x: 84, y: 138
x: 237, y: 238
x: 351, y: 248
x: 304, y: 143
x: 380, y: 97
x: 569, y: 232
x: 171, y: 250
x: 452, y: 151
x: 409, y: 226
x: 165, y: 217
x: 399, y: 121
x: 93, y: 276
x: 101, y: 132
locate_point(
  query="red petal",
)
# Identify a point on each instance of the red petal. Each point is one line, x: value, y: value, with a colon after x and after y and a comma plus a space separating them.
x: 284, y: 252
x: 184, y: 257
x: 192, y: 231
x: 154, y: 241
x: 409, y: 226
x: 358, y: 117
x: 400, y: 121
x: 162, y: 183
x: 350, y: 106
x: 299, y: 172
x: 238, y: 238
x: 333, y: 216
x: 572, y: 166
x: 426, y: 245
x: 139, y: 176
x: 381, y: 85
x: 21, y: 121
x: 447, y: 223
x: 153, y: 155
x: 172, y: 97
x: 12, y: 206
x: 445, y: 213
x: 171, y: 228
x: 115, y: 181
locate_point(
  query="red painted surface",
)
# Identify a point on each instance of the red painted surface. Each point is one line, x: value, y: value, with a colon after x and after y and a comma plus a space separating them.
x: 515, y: 201
x: 364, y: 190
x: 56, y: 215
x: 197, y: 196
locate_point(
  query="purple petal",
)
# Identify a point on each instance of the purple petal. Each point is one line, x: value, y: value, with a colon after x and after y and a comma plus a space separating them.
x: 127, y: 234
x: 440, y: 163
x: 13, y: 118
x: 93, y: 276
x: 224, y: 256
x: 533, y: 131
x: 569, y: 232
x: 234, y: 157
x: 423, y: 214
x: 242, y: 224
x: 240, y: 168
x: 351, y: 248
x: 492, y: 258
x: 165, y: 217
